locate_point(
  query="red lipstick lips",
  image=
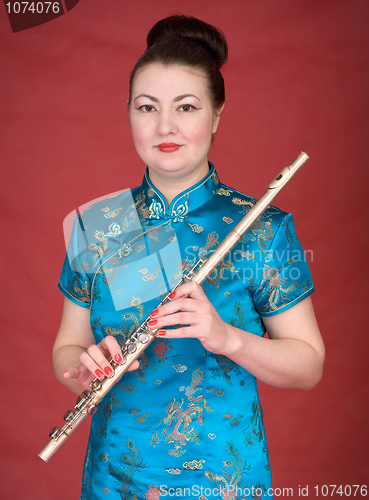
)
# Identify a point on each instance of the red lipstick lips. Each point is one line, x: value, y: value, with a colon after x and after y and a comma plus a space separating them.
x: 168, y: 147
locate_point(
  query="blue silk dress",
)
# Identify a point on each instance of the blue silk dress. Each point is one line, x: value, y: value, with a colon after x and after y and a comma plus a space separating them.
x: 188, y: 423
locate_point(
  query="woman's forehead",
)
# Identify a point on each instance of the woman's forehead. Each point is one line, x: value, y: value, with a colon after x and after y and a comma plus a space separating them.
x: 172, y: 79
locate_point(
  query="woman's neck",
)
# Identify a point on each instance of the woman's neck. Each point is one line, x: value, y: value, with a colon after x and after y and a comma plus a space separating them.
x: 171, y: 185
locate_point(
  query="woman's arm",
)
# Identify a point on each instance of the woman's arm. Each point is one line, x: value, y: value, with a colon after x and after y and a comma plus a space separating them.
x: 77, y: 359
x: 292, y: 357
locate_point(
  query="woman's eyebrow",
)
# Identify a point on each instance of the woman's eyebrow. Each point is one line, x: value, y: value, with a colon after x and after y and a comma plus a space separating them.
x: 155, y: 99
x: 176, y: 99
x: 180, y: 97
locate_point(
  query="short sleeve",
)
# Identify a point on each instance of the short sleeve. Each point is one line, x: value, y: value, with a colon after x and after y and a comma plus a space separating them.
x: 75, y: 276
x: 285, y: 277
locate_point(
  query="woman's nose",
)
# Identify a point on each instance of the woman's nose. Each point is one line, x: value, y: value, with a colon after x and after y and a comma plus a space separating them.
x: 166, y: 123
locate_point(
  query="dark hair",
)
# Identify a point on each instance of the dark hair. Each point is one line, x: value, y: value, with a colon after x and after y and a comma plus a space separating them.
x: 179, y: 39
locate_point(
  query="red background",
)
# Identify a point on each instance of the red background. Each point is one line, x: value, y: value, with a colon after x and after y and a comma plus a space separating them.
x: 297, y: 79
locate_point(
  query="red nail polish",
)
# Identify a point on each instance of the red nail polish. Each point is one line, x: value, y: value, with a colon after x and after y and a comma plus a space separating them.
x: 172, y: 295
x: 108, y: 371
x: 161, y: 333
x: 118, y: 358
x: 99, y: 373
x: 152, y: 322
x: 154, y: 312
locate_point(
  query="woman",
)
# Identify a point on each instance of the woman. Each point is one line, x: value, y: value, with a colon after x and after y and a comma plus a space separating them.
x: 186, y: 421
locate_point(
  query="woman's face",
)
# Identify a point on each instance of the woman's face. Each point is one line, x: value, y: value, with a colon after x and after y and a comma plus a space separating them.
x: 172, y: 120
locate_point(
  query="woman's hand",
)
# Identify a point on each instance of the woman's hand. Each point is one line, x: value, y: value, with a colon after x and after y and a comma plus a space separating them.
x: 77, y: 359
x: 292, y: 356
x: 189, y: 306
x: 95, y: 362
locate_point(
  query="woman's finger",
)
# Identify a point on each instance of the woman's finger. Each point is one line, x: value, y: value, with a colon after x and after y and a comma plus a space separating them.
x: 72, y: 372
x: 134, y: 366
x: 187, y: 297
x: 111, y: 349
x: 95, y: 361
x: 191, y: 289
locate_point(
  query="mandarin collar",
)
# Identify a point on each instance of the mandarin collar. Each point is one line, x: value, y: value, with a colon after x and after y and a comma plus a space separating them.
x: 188, y: 200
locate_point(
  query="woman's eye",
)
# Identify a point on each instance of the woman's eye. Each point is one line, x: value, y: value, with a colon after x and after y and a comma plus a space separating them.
x: 146, y: 108
x: 187, y: 107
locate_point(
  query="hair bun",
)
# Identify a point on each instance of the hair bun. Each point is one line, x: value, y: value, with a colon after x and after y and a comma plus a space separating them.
x: 194, y: 30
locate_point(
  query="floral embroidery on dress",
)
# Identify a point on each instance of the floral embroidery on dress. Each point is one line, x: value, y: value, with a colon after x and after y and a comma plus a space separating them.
x: 123, y: 472
x: 211, y: 240
x: 126, y: 387
x: 232, y: 471
x: 80, y: 290
x: 113, y: 213
x: 114, y: 230
x: 228, y: 220
x: 156, y: 210
x: 160, y: 349
x: 245, y: 203
x: 238, y: 323
x: 257, y: 428
x: 179, y: 368
x: 308, y: 285
x: 215, y: 178
x: 226, y: 366
x: 142, y: 418
x: 196, y: 228
x: 173, y: 471
x: 236, y: 420
x: 245, y: 255
x: 194, y: 464
x: 151, y: 276
x: 288, y: 233
x: 106, y: 414
x: 217, y: 392
x: 181, y: 212
x: 275, y: 288
x: 223, y: 192
x: 152, y: 493
x: 263, y: 232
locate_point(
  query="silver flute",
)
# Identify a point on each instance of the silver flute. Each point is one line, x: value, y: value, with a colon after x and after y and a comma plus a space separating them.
x: 87, y: 402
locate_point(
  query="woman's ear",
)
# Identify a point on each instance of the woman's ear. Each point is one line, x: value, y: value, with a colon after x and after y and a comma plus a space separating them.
x: 216, y: 118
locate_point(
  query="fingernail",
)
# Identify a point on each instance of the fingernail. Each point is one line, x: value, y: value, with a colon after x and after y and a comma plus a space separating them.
x: 154, y: 312
x: 108, y: 371
x: 99, y: 373
x: 152, y: 322
x: 118, y: 358
x: 172, y: 295
x: 161, y: 333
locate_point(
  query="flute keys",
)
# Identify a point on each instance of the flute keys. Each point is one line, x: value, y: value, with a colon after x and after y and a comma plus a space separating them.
x: 68, y: 415
x: 96, y: 385
x: 131, y: 348
x: 54, y: 431
x: 92, y: 409
x: 83, y: 396
x: 143, y: 338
